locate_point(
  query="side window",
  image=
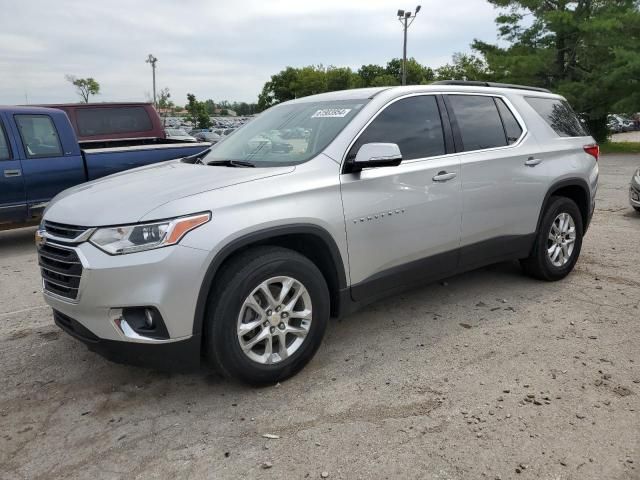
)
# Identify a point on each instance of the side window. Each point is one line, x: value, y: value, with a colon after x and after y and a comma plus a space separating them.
x: 413, y: 123
x: 39, y: 136
x: 511, y: 126
x: 559, y: 115
x: 5, y: 153
x: 479, y: 122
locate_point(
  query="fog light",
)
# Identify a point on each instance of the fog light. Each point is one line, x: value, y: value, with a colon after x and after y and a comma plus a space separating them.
x: 148, y: 317
x: 146, y: 321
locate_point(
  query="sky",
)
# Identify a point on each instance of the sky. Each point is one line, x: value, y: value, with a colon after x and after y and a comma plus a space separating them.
x: 224, y: 50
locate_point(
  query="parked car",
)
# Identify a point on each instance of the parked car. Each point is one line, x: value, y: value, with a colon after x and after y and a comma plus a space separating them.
x: 634, y: 191
x: 194, y: 131
x: 178, y: 134
x: 619, y: 124
x: 210, y: 137
x: 99, y: 125
x: 242, y: 255
x: 40, y: 156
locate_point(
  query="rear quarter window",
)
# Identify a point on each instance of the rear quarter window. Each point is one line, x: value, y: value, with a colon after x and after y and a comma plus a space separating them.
x: 479, y: 122
x: 112, y: 120
x: 559, y: 116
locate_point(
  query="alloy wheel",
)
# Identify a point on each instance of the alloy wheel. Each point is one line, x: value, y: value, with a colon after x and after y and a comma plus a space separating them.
x: 274, y: 320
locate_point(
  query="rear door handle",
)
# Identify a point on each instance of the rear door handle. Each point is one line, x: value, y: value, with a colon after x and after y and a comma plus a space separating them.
x: 12, y: 173
x: 532, y: 162
x: 444, y: 176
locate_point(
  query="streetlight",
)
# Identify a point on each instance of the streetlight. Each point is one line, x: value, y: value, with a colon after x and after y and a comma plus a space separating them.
x: 406, y: 19
x: 152, y: 60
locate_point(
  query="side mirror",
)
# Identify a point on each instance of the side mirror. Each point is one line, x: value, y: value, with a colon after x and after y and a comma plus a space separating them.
x: 371, y: 155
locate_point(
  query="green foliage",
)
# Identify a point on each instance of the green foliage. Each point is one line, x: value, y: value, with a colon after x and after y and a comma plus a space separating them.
x: 620, y: 147
x: 586, y: 50
x: 84, y: 86
x: 293, y: 83
x: 464, y: 67
x: 197, y: 112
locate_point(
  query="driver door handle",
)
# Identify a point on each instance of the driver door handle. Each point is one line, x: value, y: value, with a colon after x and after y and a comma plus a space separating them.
x: 532, y: 162
x: 12, y: 173
x: 444, y: 176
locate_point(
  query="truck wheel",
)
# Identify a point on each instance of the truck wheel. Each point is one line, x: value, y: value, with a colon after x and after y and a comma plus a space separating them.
x: 267, y: 315
x: 558, y: 241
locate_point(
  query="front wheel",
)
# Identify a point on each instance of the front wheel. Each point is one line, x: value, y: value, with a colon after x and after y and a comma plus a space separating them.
x: 267, y: 315
x: 558, y: 241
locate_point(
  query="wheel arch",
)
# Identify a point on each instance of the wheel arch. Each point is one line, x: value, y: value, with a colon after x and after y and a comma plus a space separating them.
x: 310, y: 240
x: 577, y: 189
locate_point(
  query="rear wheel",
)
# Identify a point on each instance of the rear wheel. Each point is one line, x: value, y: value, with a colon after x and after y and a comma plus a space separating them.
x: 558, y: 241
x: 267, y: 315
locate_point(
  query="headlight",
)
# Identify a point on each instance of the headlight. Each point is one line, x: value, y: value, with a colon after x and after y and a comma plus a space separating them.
x: 146, y: 236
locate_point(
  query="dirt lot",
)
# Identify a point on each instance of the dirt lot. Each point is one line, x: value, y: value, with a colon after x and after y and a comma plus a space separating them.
x: 488, y: 375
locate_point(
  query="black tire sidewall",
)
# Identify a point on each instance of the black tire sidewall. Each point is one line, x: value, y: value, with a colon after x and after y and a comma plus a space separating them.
x: 223, y: 339
x: 559, y: 205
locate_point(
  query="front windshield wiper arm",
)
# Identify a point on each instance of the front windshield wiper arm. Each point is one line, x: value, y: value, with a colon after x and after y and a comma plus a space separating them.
x: 197, y: 158
x: 232, y: 163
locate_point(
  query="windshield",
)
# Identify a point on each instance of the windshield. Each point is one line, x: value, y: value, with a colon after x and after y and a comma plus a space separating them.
x: 287, y: 134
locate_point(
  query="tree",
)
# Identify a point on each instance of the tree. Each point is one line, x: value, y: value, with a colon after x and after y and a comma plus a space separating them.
x: 165, y: 105
x: 417, y: 74
x: 84, y: 86
x: 338, y: 78
x: 369, y: 72
x: 464, y: 67
x: 586, y: 50
x: 197, y: 112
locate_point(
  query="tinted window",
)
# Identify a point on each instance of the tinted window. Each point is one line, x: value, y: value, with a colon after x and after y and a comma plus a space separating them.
x: 107, y: 121
x: 478, y: 120
x: 511, y: 126
x: 5, y: 153
x: 559, y: 115
x: 413, y: 123
x: 39, y: 136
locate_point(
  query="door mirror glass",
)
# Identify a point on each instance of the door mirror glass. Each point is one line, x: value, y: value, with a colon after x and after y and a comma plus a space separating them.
x: 371, y: 155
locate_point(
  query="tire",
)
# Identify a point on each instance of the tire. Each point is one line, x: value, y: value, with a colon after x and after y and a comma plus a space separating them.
x: 239, y: 281
x: 539, y: 264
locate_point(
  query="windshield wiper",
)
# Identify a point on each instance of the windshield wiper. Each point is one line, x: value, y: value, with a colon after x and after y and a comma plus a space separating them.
x: 197, y: 158
x: 232, y: 163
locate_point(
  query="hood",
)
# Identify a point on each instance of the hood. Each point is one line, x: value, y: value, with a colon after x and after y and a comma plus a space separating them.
x: 127, y: 196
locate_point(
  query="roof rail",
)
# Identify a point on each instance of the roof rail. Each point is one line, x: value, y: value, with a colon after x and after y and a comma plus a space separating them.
x: 475, y: 83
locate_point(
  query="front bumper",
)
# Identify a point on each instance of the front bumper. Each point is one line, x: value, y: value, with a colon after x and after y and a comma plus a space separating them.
x: 182, y: 355
x: 167, y: 279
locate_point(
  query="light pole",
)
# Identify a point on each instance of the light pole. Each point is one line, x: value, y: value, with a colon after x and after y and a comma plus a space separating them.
x: 406, y: 19
x: 152, y: 60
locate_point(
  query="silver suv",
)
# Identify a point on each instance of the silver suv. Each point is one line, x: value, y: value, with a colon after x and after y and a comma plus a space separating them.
x: 240, y: 255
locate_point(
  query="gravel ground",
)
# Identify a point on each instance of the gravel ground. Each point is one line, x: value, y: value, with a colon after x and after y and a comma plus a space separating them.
x: 487, y: 375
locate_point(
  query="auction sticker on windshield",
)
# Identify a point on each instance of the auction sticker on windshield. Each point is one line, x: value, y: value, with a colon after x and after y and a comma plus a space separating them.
x: 331, y: 113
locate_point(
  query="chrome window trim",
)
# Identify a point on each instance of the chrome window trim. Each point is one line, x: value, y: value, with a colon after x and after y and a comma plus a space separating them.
x: 506, y: 100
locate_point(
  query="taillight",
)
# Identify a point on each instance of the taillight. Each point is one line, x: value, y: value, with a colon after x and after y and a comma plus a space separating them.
x: 593, y: 150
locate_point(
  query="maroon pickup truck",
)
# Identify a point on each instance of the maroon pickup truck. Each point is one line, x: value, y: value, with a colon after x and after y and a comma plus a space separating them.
x: 99, y: 125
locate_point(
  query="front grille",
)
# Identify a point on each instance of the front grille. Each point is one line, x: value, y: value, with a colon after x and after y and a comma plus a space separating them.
x: 61, y: 270
x: 63, y: 231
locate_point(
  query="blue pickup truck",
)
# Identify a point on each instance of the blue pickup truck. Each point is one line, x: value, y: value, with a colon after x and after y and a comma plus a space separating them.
x: 40, y: 156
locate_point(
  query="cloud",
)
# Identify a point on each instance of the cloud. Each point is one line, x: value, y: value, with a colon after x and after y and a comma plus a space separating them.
x: 215, y: 49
